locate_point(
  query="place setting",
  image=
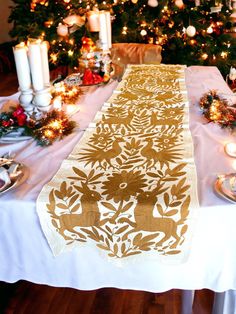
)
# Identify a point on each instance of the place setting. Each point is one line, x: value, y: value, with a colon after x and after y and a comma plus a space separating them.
x: 12, y: 173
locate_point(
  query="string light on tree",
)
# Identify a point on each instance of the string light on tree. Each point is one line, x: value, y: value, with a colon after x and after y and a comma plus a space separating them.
x: 169, y: 17
x: 124, y: 30
x: 204, y: 56
x: 210, y: 30
x: 224, y: 54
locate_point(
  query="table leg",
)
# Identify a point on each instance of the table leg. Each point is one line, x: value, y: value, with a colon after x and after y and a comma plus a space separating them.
x: 187, y: 301
x: 225, y: 302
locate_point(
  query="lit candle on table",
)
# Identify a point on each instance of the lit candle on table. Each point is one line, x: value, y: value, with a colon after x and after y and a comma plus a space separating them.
x: 57, y: 103
x: 36, y: 65
x: 70, y: 109
x: 230, y: 149
x: 22, y: 66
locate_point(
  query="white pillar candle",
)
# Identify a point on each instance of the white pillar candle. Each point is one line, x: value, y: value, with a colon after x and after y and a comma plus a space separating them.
x: 105, y: 29
x: 45, y: 64
x: 93, y: 21
x: 22, y: 66
x: 36, y: 65
x: 108, y: 17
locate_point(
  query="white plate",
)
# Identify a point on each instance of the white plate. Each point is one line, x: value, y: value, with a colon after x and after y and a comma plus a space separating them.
x: 15, y: 182
x: 223, y: 187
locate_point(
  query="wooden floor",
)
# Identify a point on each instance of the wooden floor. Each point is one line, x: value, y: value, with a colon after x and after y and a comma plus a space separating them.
x: 8, y: 84
x: 28, y: 298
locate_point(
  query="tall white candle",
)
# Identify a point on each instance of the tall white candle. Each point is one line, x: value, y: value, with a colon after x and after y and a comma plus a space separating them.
x: 22, y: 66
x: 36, y: 65
x: 45, y: 64
x: 108, y: 18
x: 105, y: 29
x: 93, y: 21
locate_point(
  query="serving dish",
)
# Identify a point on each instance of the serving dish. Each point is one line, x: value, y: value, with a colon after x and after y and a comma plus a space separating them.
x: 12, y: 175
x: 225, y: 186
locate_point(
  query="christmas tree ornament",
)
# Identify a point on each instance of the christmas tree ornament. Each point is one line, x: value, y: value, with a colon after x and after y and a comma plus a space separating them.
x: 169, y: 17
x: 62, y: 30
x: 191, y: 31
x: 179, y: 4
x: 153, y: 3
x: 143, y: 32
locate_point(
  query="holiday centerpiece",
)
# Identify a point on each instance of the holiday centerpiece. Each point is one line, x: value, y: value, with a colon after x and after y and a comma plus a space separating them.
x: 215, y: 109
x: 52, y: 126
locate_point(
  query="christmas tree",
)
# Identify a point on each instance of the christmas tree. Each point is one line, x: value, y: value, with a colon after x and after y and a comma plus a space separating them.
x: 190, y: 32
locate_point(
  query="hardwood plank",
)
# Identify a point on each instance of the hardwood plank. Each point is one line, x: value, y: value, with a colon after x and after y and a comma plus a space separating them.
x: 8, y: 84
x: 80, y: 302
x: 108, y: 301
x: 203, y: 301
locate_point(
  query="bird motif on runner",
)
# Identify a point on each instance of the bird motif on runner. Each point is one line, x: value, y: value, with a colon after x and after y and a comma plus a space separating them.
x: 100, y: 155
x: 161, y: 156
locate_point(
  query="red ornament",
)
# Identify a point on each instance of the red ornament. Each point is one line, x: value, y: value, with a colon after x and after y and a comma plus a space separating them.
x: 21, y: 119
x: 91, y: 78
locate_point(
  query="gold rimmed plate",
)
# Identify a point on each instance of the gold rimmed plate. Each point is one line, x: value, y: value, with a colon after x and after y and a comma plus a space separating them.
x: 17, y: 179
x: 225, y: 186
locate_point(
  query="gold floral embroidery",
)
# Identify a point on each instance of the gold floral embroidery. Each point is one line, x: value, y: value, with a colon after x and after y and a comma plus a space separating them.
x: 129, y: 189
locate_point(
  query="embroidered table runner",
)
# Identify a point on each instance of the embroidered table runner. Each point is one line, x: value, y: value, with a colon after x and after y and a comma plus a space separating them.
x: 129, y: 186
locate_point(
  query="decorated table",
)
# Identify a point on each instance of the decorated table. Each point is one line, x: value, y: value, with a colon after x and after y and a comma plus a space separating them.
x: 140, y: 124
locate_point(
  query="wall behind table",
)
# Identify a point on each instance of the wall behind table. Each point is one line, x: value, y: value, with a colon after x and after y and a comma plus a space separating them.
x: 5, y: 26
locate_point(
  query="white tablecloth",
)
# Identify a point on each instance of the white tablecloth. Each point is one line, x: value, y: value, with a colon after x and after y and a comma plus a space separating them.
x: 24, y: 251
